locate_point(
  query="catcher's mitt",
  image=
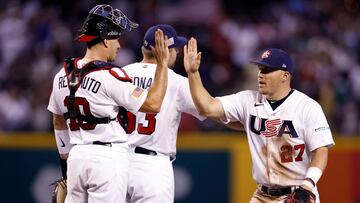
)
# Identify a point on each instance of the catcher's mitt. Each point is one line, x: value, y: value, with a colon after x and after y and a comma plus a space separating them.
x: 301, y: 195
x: 59, y: 192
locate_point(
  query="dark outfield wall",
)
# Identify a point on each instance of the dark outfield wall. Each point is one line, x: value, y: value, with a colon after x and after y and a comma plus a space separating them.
x: 26, y: 176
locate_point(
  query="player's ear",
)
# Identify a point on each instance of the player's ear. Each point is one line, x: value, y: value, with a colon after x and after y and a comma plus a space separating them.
x: 285, y: 76
x: 106, y: 43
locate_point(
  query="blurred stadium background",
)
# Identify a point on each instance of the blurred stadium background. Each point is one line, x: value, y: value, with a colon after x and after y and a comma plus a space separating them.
x: 213, y: 164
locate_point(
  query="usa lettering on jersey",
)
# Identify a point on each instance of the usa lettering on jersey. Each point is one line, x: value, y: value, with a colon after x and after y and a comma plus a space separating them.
x: 272, y: 127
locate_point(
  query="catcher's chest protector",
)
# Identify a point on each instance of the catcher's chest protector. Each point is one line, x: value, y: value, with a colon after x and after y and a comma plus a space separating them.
x: 75, y: 76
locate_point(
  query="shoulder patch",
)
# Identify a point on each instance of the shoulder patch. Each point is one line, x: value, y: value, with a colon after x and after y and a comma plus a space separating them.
x: 120, y: 74
x: 137, y: 92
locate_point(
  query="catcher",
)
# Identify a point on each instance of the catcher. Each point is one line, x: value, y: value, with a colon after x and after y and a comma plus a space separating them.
x: 86, y: 98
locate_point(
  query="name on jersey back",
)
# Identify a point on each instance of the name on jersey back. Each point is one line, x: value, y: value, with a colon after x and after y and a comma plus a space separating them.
x: 143, y: 82
x: 93, y: 85
x: 87, y: 83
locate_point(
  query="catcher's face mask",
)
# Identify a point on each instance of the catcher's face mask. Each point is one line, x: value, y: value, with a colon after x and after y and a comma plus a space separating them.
x: 104, y: 22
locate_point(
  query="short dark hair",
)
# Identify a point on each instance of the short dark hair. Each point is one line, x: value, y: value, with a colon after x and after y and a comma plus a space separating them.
x: 94, y: 42
x: 147, y: 52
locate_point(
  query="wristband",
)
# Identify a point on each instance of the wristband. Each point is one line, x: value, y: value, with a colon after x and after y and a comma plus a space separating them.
x: 63, y: 141
x: 314, y: 173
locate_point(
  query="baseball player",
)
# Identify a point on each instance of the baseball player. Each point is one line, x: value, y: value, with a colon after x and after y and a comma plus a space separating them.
x: 152, y: 137
x: 287, y: 131
x: 86, y: 97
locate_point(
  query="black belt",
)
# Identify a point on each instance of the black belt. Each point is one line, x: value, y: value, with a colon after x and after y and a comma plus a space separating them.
x: 140, y: 150
x: 102, y: 143
x: 276, y: 191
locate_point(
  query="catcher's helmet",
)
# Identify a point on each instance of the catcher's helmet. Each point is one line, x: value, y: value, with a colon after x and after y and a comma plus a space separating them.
x: 104, y: 22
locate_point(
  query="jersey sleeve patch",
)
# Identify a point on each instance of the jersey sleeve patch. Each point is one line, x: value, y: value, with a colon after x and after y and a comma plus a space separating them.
x: 137, y: 92
x: 120, y: 74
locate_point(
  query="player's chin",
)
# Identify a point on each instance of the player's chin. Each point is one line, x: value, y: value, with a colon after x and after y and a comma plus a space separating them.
x: 262, y: 91
x: 111, y: 59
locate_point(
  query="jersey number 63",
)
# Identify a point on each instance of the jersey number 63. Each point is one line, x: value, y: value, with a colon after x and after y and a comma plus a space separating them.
x: 141, y: 127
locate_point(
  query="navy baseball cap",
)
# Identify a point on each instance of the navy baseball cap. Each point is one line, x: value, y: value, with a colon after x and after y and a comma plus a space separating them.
x: 276, y: 59
x: 173, y: 39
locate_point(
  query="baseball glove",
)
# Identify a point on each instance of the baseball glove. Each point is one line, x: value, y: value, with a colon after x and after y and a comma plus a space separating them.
x: 301, y: 195
x: 59, y: 192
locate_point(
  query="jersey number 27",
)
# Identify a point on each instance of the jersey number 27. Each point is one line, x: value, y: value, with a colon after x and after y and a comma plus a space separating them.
x: 287, y: 152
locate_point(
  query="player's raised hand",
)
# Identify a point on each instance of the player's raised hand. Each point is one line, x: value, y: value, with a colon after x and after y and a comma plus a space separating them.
x: 161, y: 50
x: 192, y: 57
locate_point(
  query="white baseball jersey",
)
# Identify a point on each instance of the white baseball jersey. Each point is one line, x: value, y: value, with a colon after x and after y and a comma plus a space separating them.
x: 280, y: 140
x: 158, y: 132
x: 100, y: 94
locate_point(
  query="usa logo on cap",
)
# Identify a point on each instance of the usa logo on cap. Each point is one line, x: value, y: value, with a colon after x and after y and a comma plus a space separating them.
x: 276, y: 59
x: 266, y: 54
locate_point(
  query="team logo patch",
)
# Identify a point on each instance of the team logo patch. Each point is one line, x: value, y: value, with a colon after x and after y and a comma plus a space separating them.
x: 266, y: 54
x: 137, y: 92
x: 322, y: 128
x: 113, y: 33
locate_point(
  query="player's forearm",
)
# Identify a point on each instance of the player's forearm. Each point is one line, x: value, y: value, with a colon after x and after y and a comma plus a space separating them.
x: 201, y: 97
x: 317, y: 166
x: 157, y: 91
x: 320, y: 158
x: 59, y: 122
x: 62, y: 140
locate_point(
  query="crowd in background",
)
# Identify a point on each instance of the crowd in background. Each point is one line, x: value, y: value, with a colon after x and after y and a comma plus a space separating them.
x: 323, y: 38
